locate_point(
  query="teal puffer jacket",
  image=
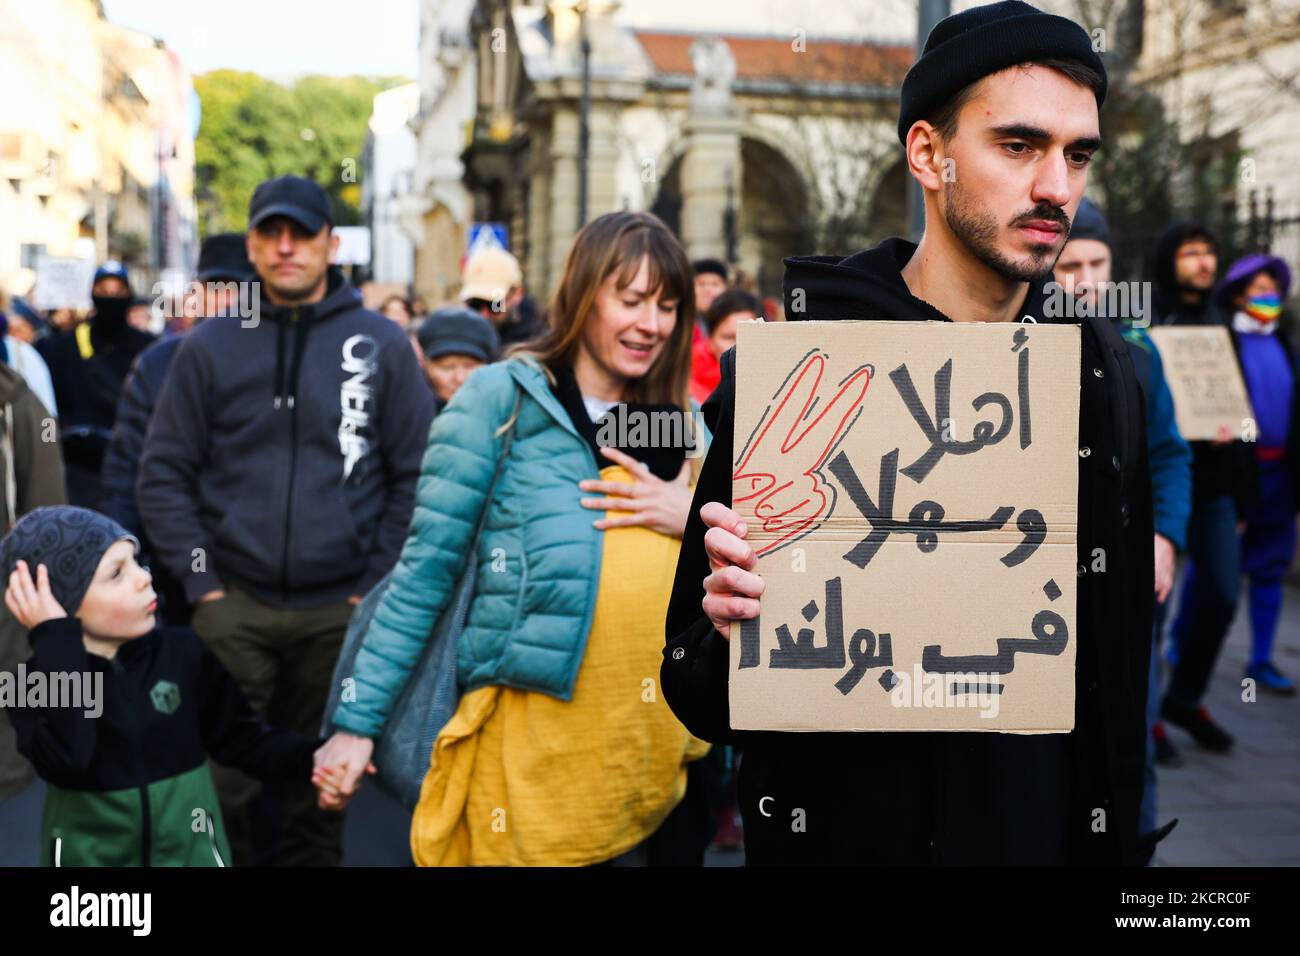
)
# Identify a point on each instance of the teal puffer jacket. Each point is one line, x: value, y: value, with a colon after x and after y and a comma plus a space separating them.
x: 538, y: 558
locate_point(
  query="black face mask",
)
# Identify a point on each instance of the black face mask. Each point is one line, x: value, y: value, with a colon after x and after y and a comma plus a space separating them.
x: 110, y: 311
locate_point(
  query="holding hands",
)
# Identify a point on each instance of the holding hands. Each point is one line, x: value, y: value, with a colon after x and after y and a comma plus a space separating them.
x: 340, y: 764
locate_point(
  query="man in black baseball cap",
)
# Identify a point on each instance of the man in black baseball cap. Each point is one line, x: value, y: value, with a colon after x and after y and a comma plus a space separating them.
x: 290, y: 239
x: 999, y: 120
x: 311, y: 406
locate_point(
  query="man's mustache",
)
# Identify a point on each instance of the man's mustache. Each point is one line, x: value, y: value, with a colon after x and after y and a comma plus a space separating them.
x: 1045, y: 214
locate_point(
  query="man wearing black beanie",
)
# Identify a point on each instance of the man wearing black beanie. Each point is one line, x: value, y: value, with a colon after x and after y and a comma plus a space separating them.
x: 999, y: 120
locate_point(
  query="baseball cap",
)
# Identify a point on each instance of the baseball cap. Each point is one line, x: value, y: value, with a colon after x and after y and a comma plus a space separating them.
x: 300, y: 199
x: 490, y: 274
x: 112, y: 269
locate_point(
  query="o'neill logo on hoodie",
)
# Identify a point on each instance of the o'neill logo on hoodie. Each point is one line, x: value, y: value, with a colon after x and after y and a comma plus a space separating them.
x: 359, y: 354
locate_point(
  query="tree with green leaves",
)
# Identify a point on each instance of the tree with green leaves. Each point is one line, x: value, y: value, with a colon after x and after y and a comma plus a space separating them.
x: 254, y: 129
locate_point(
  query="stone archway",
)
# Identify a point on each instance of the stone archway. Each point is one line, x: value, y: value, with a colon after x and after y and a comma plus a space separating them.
x: 772, y: 210
x: 667, y: 203
x: 775, y: 215
x: 887, y: 215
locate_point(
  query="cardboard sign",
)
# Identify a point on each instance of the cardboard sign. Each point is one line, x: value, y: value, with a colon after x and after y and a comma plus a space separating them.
x: 1204, y: 379
x: 911, y: 490
x: 63, y: 282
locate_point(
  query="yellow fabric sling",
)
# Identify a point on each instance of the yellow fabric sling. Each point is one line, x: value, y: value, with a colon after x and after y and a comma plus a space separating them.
x: 523, y: 779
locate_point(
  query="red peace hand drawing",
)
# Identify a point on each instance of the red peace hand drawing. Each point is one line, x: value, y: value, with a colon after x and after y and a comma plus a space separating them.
x: 804, y: 426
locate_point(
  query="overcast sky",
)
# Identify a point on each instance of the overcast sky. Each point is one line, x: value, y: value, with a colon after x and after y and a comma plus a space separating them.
x: 282, y: 38
x: 287, y: 38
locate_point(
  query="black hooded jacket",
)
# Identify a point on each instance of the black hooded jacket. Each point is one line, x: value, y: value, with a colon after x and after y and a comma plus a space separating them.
x: 1217, y: 470
x: 951, y: 798
x: 86, y: 387
x: 287, y: 450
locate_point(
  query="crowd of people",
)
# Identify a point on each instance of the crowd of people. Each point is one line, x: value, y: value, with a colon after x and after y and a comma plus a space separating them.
x: 217, y: 505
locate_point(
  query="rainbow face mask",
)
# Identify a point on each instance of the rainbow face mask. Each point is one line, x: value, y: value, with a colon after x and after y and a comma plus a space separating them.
x: 1264, y: 308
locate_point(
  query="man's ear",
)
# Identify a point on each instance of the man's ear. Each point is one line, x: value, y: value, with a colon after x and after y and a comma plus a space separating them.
x: 334, y: 245
x: 925, y: 155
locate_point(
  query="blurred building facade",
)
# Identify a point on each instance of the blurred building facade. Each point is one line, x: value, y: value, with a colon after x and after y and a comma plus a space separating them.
x: 97, y: 130
x: 416, y: 202
x: 751, y: 147
x: 386, y: 189
x: 1228, y: 71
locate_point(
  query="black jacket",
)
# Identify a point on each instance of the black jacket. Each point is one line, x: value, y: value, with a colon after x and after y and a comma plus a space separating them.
x: 87, y: 389
x: 133, y: 742
x: 121, y: 468
x: 287, y: 451
x: 915, y: 798
x: 134, y: 409
x: 1217, y: 470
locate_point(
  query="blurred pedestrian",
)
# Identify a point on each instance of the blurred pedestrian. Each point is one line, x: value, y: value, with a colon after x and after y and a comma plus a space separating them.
x: 453, y: 343
x: 140, y: 315
x: 223, y: 271
x: 64, y: 319
x: 568, y: 614
x: 733, y: 306
x: 278, y: 476
x: 24, y: 321
x: 1186, y: 261
x: 493, y: 286
x: 710, y: 282
x: 22, y: 357
x: 1084, y: 269
x: 88, y: 364
x: 398, y: 309
x: 32, y: 477
x: 1252, y: 291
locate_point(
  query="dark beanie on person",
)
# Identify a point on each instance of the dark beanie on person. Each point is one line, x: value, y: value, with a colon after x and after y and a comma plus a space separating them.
x: 69, y: 541
x: 1089, y: 223
x: 458, y: 331
x: 710, y: 266
x: 970, y: 45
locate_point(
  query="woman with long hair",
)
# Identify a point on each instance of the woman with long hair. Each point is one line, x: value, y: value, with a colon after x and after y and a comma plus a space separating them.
x: 562, y: 751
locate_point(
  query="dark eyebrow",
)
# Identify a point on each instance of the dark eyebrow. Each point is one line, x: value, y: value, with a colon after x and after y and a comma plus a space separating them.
x: 1038, y: 134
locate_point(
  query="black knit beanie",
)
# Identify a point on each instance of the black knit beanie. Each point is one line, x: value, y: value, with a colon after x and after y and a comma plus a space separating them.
x: 970, y: 45
x: 69, y: 541
x: 1089, y: 223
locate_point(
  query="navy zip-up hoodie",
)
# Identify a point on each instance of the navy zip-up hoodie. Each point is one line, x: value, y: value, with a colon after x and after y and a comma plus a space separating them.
x: 283, y: 455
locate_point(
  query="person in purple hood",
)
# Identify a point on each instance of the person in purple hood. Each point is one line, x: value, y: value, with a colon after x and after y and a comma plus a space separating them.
x: 1253, y: 291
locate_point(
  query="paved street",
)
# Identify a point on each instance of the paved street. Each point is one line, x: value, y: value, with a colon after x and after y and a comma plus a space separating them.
x: 1235, y: 810
x: 1243, y: 808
